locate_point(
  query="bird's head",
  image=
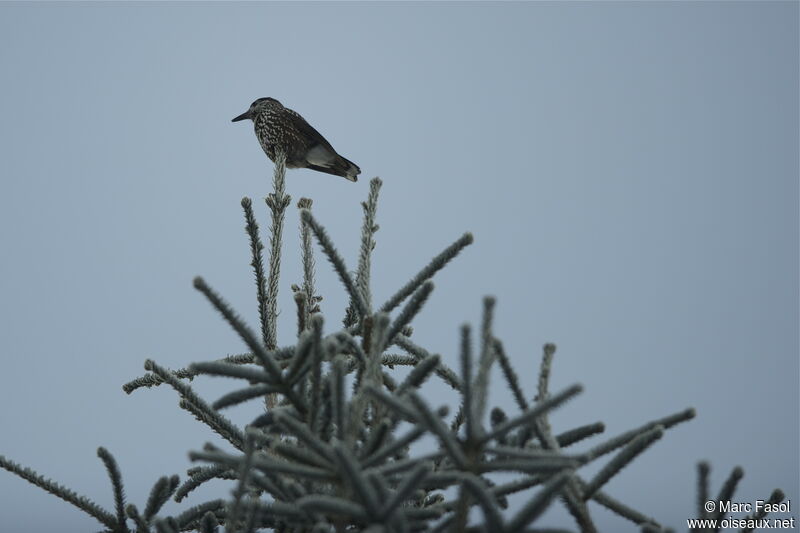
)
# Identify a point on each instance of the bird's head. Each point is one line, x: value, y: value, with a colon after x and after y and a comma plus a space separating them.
x: 256, y: 107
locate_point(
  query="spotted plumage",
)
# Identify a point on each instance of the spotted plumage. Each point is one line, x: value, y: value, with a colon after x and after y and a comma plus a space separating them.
x: 279, y: 128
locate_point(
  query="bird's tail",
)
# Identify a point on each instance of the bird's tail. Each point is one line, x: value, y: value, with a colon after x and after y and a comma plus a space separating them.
x: 339, y: 166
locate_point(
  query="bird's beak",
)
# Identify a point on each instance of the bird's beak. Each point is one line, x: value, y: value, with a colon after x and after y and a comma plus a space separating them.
x: 243, y: 116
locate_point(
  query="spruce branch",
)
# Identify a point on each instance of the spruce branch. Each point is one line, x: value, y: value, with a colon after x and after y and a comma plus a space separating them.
x: 242, y: 395
x: 194, y: 514
x: 302, y: 313
x: 404, y: 489
x: 727, y: 491
x: 378, y: 339
x: 619, y: 508
x: 151, y: 380
x: 310, y: 306
x: 420, y: 353
x: 81, y: 502
x: 276, y: 514
x: 166, y: 526
x: 578, y: 434
x: 534, y: 454
x: 776, y: 497
x: 316, y: 372
x: 339, y: 403
x: 245, y: 471
x: 240, y: 327
x: 198, y: 407
x: 277, y: 202
x: 116, y: 485
x: 487, y: 357
x: 253, y: 516
x: 208, y: 524
x: 548, y: 350
x: 625, y: 456
x: 271, y: 485
x: 159, y: 494
x: 481, y: 494
x: 436, y: 264
x: 518, y: 485
x: 542, y: 427
x: 257, y: 262
x: 410, y: 310
x: 351, y: 471
x: 304, y: 433
x: 261, y: 355
x: 703, y: 469
x: 133, y: 513
x: 336, y: 260
x: 216, y: 368
x: 399, y: 466
x: 466, y: 413
x: 392, y: 359
x: 497, y: 417
x: 393, y: 447
x: 540, y: 502
x: 301, y: 360
x: 510, y: 375
x: 375, y: 437
x: 335, y: 506
x: 399, y: 407
x: 200, y: 476
x: 293, y: 452
x: 211, y: 419
x: 419, y: 374
x: 370, y: 375
x: 623, y: 439
x: 530, y: 415
x: 529, y: 465
x: 448, y: 441
x: 368, y: 230
x: 266, y: 466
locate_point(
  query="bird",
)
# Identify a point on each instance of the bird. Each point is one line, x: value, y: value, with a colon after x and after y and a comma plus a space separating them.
x: 279, y: 128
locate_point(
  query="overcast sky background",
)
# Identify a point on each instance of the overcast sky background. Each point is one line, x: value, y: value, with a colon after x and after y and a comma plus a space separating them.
x: 629, y: 171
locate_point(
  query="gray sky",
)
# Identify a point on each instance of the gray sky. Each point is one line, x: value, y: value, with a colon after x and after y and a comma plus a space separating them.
x: 629, y: 171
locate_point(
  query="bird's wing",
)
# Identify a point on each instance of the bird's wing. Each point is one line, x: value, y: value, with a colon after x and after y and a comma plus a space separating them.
x: 307, y: 131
